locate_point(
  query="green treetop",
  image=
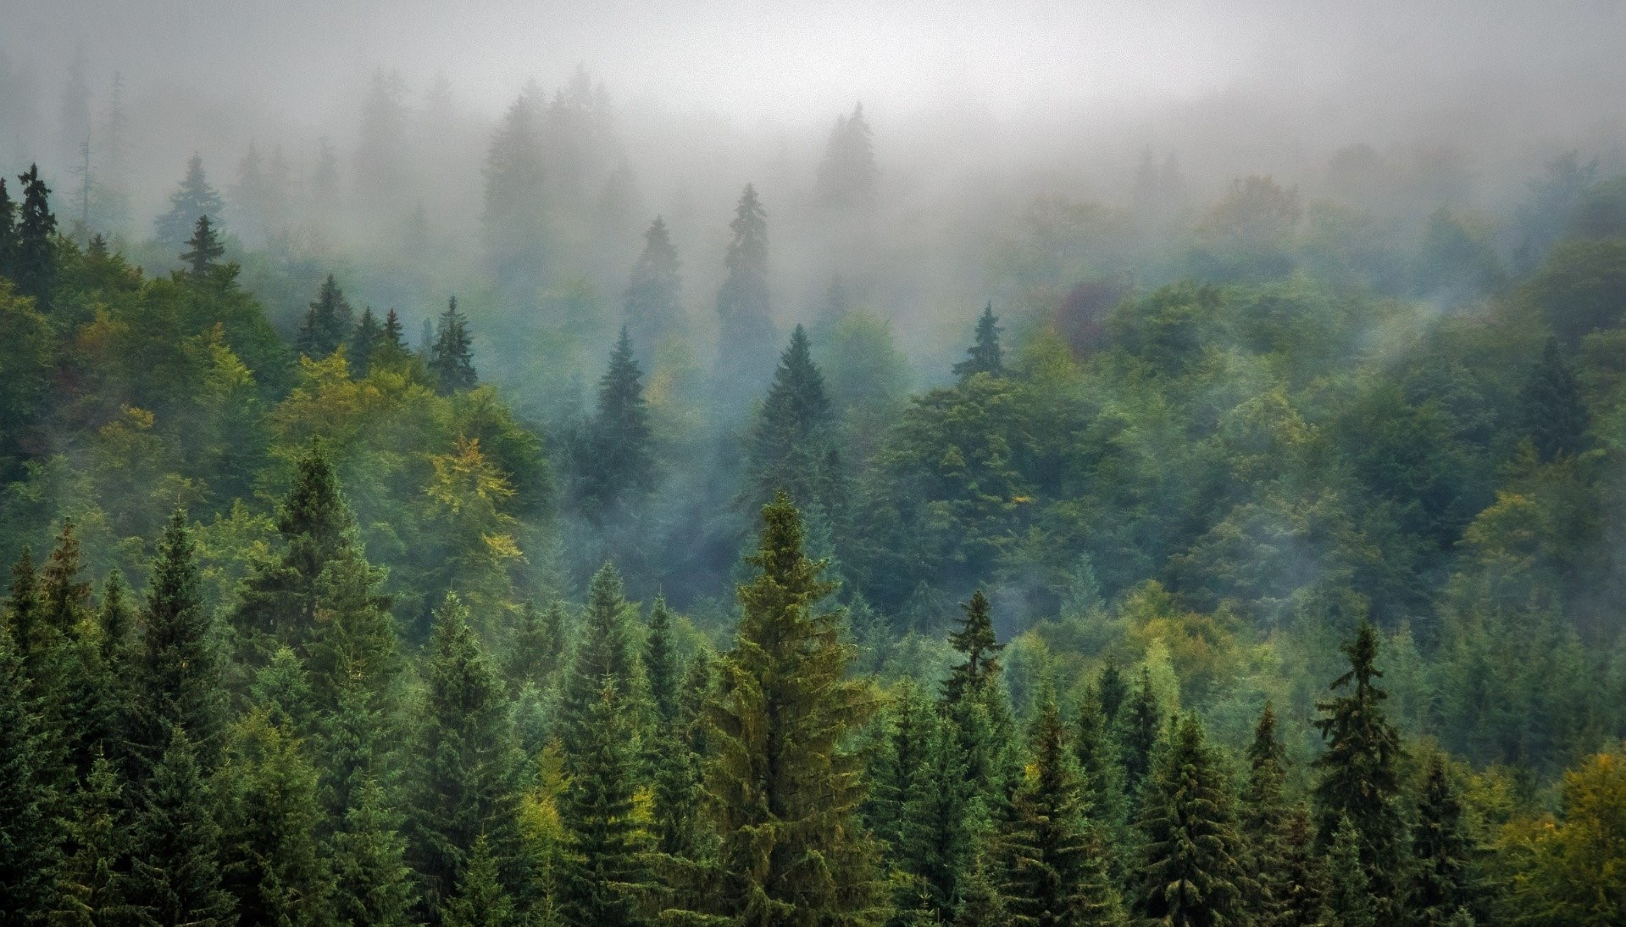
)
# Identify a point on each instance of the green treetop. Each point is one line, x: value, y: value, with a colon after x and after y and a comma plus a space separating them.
x: 984, y: 355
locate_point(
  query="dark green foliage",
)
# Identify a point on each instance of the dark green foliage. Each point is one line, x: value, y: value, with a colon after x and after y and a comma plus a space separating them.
x: 193, y: 199
x: 1441, y: 853
x: 90, y: 882
x: 1551, y: 412
x: 788, y: 440
x: 975, y: 641
x: 1359, y: 781
x: 538, y: 646
x: 661, y: 663
x: 617, y: 464
x: 176, y: 677
x: 33, y: 263
x: 372, y: 885
x: 1111, y: 690
x: 327, y: 322
x: 1136, y: 732
x: 8, y: 231
x: 603, y: 651
x: 175, y: 847
x: 942, y: 818
x: 984, y: 355
x: 605, y: 867
x: 654, y: 296
x: 1052, y: 867
x: 1192, y: 864
x: 25, y: 613
x: 1107, y: 805
x: 364, y: 341
x: 1265, y: 822
x: 981, y: 904
x: 480, y: 900
x: 1349, y: 901
x: 903, y: 745
x: 29, y: 799
x: 451, y: 358
x: 203, y: 249
x: 742, y: 301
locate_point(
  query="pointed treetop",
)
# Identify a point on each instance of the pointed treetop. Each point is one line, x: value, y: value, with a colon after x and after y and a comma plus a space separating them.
x: 984, y: 354
x: 205, y: 249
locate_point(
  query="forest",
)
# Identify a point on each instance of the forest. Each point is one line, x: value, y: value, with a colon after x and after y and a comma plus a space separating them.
x: 514, y: 551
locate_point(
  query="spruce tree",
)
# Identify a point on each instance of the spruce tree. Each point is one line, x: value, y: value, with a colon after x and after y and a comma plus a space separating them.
x: 654, y: 296
x: 34, y: 258
x: 1052, y: 867
x: 203, y: 249
x: 451, y: 358
x: 905, y: 732
x: 1349, y: 901
x: 847, y: 175
x: 1111, y: 690
x: 8, y: 232
x: 1107, y: 806
x: 175, y: 677
x: 90, y: 883
x: 981, y: 904
x: 327, y: 322
x: 789, y: 437
x: 468, y: 771
x: 942, y: 817
x: 1136, y: 732
x: 392, y: 345
x: 194, y: 198
x: 355, y: 644
x: 782, y: 788
x: 25, y: 612
x: 661, y: 663
x: 372, y: 884
x: 1191, y: 871
x: 1441, y: 853
x: 605, y: 865
x: 1303, y: 883
x: 480, y: 900
x: 747, y: 329
x: 1552, y: 413
x: 1359, y: 779
x: 30, y: 799
x: 1264, y: 822
x: 975, y: 640
x: 603, y: 651
x: 984, y: 355
x: 618, y: 463
x: 538, y: 646
x: 175, y: 846
x: 78, y: 688
x: 366, y: 339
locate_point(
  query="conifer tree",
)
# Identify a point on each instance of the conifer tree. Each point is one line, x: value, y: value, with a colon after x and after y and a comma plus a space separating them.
x: 468, y: 767
x: 29, y: 797
x: 8, y: 232
x: 747, y: 329
x: 117, y: 622
x: 480, y: 900
x: 1302, y: 879
x: 618, y: 464
x: 1441, y: 853
x: 1551, y: 411
x: 603, y: 651
x: 34, y: 259
x: 789, y: 437
x: 1139, y: 724
x: 942, y: 817
x: 981, y: 905
x: 905, y: 732
x: 175, y: 846
x: 366, y: 339
x: 1107, y: 806
x: 661, y: 663
x: 847, y: 175
x: 1359, y: 779
x: 984, y: 355
x: 781, y: 786
x: 1349, y: 901
x: 77, y: 686
x: 538, y: 647
x: 203, y: 249
x: 392, y: 343
x: 1111, y: 690
x: 175, y: 676
x: 25, y: 612
x: 89, y: 886
x: 1191, y: 871
x: 355, y: 644
x: 451, y: 358
x: 1264, y: 822
x: 605, y: 865
x: 654, y: 299
x: 282, y: 690
x: 514, y: 221
x: 193, y: 199
x: 976, y: 641
x: 372, y: 884
x: 1052, y: 870
x: 327, y: 322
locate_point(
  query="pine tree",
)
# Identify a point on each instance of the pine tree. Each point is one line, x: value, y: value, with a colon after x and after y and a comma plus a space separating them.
x: 451, y: 359
x: 789, y: 437
x: 654, y: 299
x: 25, y: 618
x: 8, y: 232
x: 175, y: 676
x: 355, y: 644
x: 660, y: 663
x: 89, y: 886
x: 29, y: 797
x: 984, y: 355
x: 901, y: 748
x: 603, y: 651
x: 193, y: 199
x: 271, y: 860
x: 1264, y: 822
x: 514, y: 221
x: 1052, y: 870
x: 1191, y: 872
x: 392, y: 346
x: 372, y: 884
x: 327, y: 322
x: 1303, y: 880
x: 976, y: 641
x: 605, y: 865
x: 480, y: 900
x: 942, y: 818
x: 467, y: 779
x: 847, y: 174
x: 78, y: 688
x: 175, y: 846
x: 781, y: 787
x: 1551, y: 411
x: 1359, y: 780
x: 1111, y: 690
x: 365, y: 340
x: 1349, y: 900
x: 538, y: 646
x: 34, y: 259
x: 1136, y: 732
x: 618, y: 464
x: 981, y: 904
x: 742, y: 301
x: 1441, y: 853
x: 203, y: 249
x: 1107, y: 806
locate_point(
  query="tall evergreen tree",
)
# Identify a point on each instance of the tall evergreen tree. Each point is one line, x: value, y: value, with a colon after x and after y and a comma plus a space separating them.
x: 194, y: 198
x: 904, y: 734
x: 25, y: 612
x: 29, y: 797
x: 366, y: 339
x: 1111, y: 690
x: 372, y: 882
x: 451, y: 359
x: 392, y: 346
x: 90, y: 883
x: 742, y: 302
x: 789, y: 438
x: 8, y: 232
x: 1107, y: 806
x: 78, y: 686
x: 975, y: 640
x: 1136, y: 732
x: 467, y: 778
x: 617, y: 465
x: 942, y: 818
x: 603, y: 651
x: 782, y: 788
x: 1349, y: 901
x: 661, y: 663
x: 1551, y: 411
x: 175, y: 852
x: 176, y: 676
x: 480, y: 900
x: 605, y: 866
x: 1359, y: 778
x: 538, y: 647
x: 203, y: 250
x: 1192, y: 865
x: 981, y: 904
x: 34, y: 258
x: 654, y: 299
x: 327, y: 322
x: 847, y: 174
x: 984, y: 355
x: 1441, y: 853
x: 1265, y: 820
x: 514, y: 221
x: 1052, y: 870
